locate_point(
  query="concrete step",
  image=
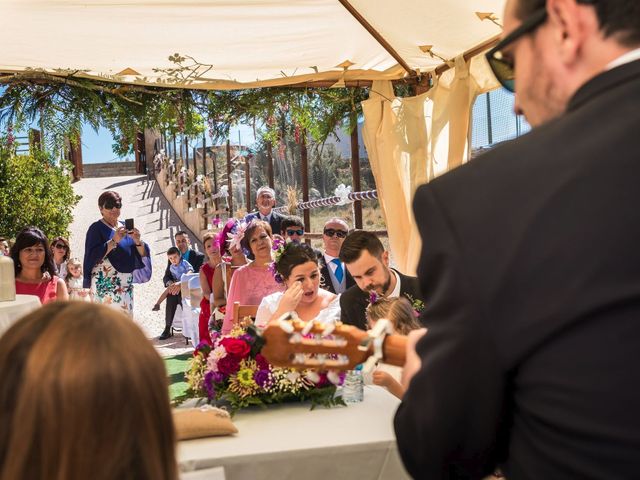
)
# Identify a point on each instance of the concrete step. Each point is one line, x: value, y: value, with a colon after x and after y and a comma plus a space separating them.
x: 111, y: 169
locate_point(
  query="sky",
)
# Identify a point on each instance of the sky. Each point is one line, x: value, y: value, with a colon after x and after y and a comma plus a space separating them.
x: 96, y: 147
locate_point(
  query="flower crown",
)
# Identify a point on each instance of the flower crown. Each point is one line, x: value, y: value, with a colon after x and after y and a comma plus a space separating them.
x: 278, y: 247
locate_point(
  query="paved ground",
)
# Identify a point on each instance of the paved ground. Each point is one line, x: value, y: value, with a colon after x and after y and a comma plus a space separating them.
x: 143, y: 201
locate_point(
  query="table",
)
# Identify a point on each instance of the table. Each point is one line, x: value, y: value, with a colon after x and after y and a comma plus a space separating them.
x: 10, y: 312
x: 291, y: 442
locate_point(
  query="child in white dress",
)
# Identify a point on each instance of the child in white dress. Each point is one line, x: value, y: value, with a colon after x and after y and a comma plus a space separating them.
x: 74, y: 281
x: 403, y: 319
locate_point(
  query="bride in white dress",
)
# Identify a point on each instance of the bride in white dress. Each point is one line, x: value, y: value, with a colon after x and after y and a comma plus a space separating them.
x: 297, y: 266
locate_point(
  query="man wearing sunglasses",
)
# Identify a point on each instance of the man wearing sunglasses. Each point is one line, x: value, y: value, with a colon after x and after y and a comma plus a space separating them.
x: 292, y: 229
x: 335, y: 276
x: 530, y: 264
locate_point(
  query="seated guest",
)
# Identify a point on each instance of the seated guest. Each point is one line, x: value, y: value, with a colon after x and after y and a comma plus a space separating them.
x: 61, y: 252
x: 265, y: 201
x: 175, y: 298
x: 75, y: 406
x: 34, y: 268
x: 207, y: 280
x: 4, y: 246
x: 292, y: 229
x: 178, y: 267
x: 298, y: 269
x: 403, y: 320
x: 368, y: 263
x: 254, y: 281
x: 335, y: 276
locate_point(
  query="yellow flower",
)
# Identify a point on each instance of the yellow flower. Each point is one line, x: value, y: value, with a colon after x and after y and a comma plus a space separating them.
x: 242, y: 382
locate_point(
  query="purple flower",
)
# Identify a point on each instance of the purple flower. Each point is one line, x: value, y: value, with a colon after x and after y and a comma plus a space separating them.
x: 274, y: 271
x: 261, y: 377
x: 217, y: 377
x: 277, y: 243
x: 208, y: 385
x: 373, y: 297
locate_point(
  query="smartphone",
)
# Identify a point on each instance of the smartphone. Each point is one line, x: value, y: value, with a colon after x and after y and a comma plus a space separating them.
x: 128, y: 224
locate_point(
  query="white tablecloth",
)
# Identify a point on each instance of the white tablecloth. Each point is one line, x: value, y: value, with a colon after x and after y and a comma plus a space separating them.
x: 10, y: 312
x: 291, y: 442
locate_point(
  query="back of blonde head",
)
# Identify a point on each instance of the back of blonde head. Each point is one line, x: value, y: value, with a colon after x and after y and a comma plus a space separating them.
x: 397, y: 310
x: 84, y: 395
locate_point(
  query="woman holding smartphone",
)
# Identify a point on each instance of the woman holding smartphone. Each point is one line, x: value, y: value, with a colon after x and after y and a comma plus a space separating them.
x: 111, y: 255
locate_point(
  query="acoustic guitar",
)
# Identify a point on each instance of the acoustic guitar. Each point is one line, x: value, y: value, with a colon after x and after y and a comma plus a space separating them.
x: 300, y: 345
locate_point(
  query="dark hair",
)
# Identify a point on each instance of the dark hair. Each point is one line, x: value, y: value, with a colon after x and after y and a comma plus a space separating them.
x: 66, y: 243
x: 173, y: 250
x: 358, y: 241
x: 110, y: 197
x: 616, y: 18
x: 251, y: 229
x: 28, y: 237
x: 181, y: 232
x: 65, y: 386
x: 295, y: 254
x: 291, y: 221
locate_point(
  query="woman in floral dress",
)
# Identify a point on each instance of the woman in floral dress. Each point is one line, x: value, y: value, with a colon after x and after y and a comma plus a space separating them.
x: 112, y: 255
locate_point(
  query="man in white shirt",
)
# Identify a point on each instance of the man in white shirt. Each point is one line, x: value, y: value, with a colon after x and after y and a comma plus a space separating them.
x: 335, y: 276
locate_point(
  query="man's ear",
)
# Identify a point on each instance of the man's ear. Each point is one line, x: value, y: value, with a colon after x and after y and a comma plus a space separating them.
x: 385, y: 258
x: 571, y: 24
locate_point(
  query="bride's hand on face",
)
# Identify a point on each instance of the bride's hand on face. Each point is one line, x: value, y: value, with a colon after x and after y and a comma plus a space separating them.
x: 292, y: 297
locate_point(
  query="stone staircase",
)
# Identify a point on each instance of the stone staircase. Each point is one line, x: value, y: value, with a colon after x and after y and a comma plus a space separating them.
x: 111, y: 169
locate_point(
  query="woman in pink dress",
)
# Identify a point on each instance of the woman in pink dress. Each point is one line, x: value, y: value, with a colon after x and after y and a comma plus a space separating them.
x: 34, y: 267
x: 251, y: 283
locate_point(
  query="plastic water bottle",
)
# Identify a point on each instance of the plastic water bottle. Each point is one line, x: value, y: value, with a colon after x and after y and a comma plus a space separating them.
x: 353, y: 386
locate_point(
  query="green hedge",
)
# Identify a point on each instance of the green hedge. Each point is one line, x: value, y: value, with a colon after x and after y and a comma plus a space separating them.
x: 35, y: 191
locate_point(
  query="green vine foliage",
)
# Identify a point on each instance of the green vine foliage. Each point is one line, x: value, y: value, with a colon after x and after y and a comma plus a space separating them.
x: 35, y: 191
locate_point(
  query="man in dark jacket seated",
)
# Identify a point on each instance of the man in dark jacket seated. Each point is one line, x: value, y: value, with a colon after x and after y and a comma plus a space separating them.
x: 368, y: 263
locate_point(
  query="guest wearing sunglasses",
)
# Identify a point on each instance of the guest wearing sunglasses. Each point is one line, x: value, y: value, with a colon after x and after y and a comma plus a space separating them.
x: 368, y: 263
x: 292, y: 229
x: 335, y: 276
x: 61, y: 253
x: 111, y: 255
x: 530, y: 264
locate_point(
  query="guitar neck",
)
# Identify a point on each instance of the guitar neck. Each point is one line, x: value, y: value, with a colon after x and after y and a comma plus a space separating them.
x: 394, y: 349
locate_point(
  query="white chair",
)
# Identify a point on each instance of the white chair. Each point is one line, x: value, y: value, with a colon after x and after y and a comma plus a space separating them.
x: 190, y: 313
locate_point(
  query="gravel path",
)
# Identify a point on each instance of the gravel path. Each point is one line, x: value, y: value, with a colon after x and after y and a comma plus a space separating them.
x: 143, y: 201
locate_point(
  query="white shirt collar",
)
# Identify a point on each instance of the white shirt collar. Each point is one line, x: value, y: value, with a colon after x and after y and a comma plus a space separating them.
x: 624, y: 58
x: 396, y: 290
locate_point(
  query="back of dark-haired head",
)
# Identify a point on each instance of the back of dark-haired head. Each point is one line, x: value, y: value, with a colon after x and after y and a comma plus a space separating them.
x: 251, y: 230
x: 173, y: 251
x: 291, y: 221
x: 359, y: 241
x: 28, y: 237
x: 617, y: 18
x: 181, y: 232
x: 109, y: 197
x: 72, y: 403
x: 294, y: 254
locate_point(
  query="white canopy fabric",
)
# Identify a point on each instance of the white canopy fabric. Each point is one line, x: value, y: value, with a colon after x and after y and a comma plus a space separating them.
x: 229, y: 44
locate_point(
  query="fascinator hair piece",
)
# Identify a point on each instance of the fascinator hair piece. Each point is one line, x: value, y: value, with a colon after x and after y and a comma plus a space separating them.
x: 278, y: 247
x: 235, y: 236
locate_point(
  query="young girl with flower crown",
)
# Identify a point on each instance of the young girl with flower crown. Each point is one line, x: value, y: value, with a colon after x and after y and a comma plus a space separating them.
x: 403, y: 319
x: 74, y: 281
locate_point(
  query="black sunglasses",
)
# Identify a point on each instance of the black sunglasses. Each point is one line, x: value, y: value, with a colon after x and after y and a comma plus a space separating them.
x: 60, y: 245
x: 330, y: 232
x: 295, y: 232
x: 111, y: 205
x: 501, y: 64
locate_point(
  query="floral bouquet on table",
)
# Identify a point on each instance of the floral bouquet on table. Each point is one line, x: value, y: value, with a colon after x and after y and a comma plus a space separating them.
x: 233, y: 372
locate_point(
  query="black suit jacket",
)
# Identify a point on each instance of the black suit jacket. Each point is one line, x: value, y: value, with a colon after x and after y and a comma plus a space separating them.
x: 196, y: 260
x: 326, y: 282
x: 353, y: 302
x: 531, y: 264
x: 275, y: 221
